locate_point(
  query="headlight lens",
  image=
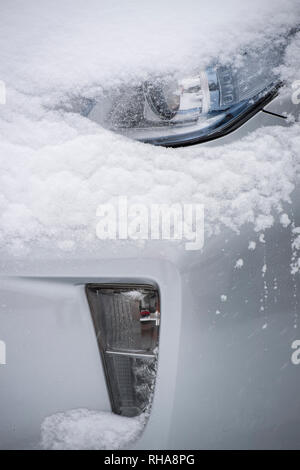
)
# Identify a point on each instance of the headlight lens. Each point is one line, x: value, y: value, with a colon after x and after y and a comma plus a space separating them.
x: 179, y: 111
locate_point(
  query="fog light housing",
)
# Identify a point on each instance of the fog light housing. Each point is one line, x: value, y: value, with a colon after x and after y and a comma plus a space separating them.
x: 126, y: 320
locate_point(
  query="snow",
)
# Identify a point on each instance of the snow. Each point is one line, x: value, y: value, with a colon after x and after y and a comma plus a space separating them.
x: 295, y: 264
x: 50, y: 195
x: 57, y: 168
x: 262, y: 238
x: 57, y: 45
x: 252, y: 245
x: 285, y: 220
x: 84, y: 429
x: 296, y: 243
x: 264, y: 269
x: 239, y: 264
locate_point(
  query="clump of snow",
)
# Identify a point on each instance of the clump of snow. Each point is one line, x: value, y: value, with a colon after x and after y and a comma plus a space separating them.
x: 51, y: 194
x: 83, y: 429
x: 285, y: 220
x: 223, y: 298
x: 239, y: 264
x: 264, y: 269
x: 262, y: 238
x: 290, y: 118
x: 134, y: 295
x: 295, y: 260
x: 290, y: 68
x: 252, y: 246
x: 263, y: 221
x: 296, y: 243
x: 295, y: 267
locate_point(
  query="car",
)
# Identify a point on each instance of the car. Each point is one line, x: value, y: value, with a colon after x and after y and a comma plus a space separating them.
x: 149, y: 225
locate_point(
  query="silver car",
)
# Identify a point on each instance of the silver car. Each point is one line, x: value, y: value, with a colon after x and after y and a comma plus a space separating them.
x: 150, y: 225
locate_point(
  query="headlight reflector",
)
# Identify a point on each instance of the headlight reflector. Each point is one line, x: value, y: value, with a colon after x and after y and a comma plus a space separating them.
x: 174, y: 111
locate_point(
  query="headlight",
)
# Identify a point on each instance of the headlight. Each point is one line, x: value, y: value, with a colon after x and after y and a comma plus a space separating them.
x: 184, y: 110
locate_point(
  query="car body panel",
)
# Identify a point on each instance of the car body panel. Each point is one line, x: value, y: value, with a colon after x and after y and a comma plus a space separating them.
x: 225, y: 377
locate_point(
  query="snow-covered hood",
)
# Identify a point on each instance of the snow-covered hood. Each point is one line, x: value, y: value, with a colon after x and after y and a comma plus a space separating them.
x: 56, y: 168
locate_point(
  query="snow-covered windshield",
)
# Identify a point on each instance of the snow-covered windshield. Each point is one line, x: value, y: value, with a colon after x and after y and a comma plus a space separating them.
x: 57, y: 167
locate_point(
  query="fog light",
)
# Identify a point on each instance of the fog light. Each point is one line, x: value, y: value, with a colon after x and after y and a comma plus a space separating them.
x: 126, y: 320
